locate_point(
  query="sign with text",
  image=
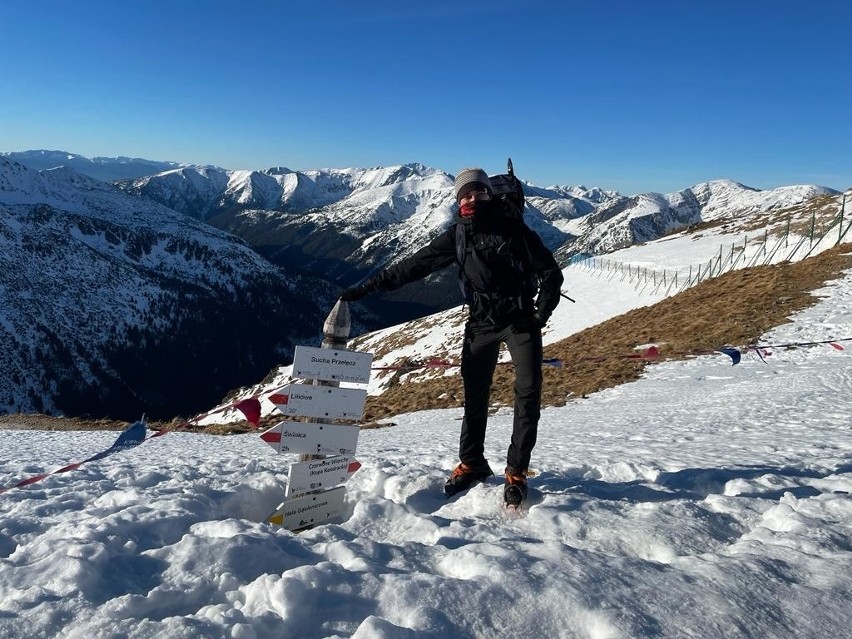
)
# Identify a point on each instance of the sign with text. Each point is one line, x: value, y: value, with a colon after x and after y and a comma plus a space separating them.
x: 317, y: 474
x: 330, y: 365
x: 309, y: 510
x: 328, y: 402
x: 312, y: 439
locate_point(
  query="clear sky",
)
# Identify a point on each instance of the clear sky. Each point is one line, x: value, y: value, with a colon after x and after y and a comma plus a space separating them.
x: 631, y: 95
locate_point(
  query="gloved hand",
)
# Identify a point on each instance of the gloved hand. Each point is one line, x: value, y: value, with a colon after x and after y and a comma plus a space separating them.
x: 530, y: 324
x: 355, y: 293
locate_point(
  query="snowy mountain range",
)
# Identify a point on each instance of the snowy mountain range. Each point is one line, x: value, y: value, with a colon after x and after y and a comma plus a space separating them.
x: 129, y: 277
x: 348, y: 223
x: 114, y: 305
x: 624, y: 221
x: 100, y: 168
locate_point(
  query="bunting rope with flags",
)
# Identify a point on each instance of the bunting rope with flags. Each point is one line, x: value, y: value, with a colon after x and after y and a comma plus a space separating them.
x: 135, y: 434
x: 650, y: 353
x: 130, y: 437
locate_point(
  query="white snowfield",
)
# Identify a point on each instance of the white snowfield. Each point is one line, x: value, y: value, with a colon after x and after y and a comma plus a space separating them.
x: 704, y: 500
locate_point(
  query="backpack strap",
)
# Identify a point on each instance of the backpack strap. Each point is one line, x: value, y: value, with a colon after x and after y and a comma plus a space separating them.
x: 535, y: 279
x: 461, y: 256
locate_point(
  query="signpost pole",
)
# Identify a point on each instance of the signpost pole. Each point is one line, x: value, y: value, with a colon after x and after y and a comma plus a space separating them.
x: 314, y: 492
x: 335, y: 332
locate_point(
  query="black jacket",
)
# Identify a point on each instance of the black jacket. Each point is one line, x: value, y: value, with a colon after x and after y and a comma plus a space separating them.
x: 493, y: 244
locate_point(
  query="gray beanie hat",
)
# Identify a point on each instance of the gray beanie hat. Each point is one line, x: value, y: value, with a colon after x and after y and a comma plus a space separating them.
x: 471, y: 180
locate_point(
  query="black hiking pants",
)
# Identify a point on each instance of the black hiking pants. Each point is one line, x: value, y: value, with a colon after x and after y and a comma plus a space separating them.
x: 479, y: 359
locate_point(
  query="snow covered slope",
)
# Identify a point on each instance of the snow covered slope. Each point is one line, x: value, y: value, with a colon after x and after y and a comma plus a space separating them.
x: 114, y: 305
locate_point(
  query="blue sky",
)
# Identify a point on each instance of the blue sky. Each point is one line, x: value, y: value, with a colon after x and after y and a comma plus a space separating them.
x: 631, y: 95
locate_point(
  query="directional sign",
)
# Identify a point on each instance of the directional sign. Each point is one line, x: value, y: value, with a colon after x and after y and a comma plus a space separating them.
x: 332, y: 365
x: 317, y: 474
x: 312, y: 439
x: 309, y: 510
x: 329, y: 402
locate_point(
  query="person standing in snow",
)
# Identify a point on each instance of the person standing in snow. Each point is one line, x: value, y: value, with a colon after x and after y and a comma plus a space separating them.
x: 512, y: 285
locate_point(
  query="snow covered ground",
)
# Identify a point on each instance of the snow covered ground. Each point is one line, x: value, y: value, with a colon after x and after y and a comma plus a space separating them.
x: 704, y: 500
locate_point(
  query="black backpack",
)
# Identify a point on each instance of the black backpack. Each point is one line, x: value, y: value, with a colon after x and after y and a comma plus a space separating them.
x: 508, y: 190
x: 504, y: 294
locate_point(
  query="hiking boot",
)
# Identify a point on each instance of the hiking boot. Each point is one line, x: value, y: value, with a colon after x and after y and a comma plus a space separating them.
x: 515, y: 490
x: 465, y: 476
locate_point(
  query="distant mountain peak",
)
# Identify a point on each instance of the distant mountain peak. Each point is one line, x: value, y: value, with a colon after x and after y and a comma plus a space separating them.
x: 100, y: 168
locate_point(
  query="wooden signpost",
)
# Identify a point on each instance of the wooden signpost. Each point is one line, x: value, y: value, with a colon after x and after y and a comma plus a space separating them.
x: 316, y: 474
x: 313, y: 439
x: 304, y: 400
x: 314, y: 493
x: 307, y: 511
x: 332, y: 365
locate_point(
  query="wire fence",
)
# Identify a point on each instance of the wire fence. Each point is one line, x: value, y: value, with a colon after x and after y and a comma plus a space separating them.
x: 755, y: 250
